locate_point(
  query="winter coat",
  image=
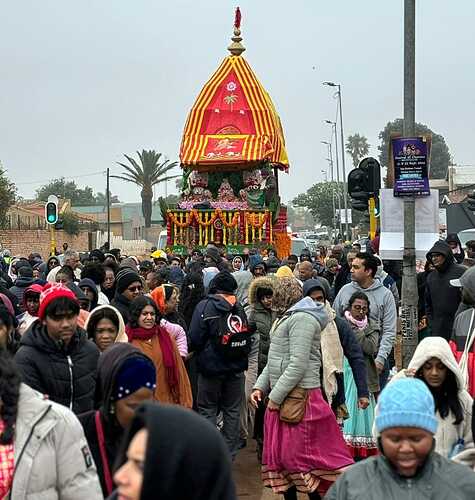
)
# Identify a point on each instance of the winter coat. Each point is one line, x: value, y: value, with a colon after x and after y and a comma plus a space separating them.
x: 382, y: 312
x: 52, y: 458
x: 122, y: 304
x: 463, y: 319
x: 368, y: 339
x: 18, y: 289
x: 261, y: 319
x: 204, y: 329
x: 447, y: 433
x: 294, y: 354
x: 375, y: 479
x: 113, y: 432
x: 66, y: 374
x: 442, y: 299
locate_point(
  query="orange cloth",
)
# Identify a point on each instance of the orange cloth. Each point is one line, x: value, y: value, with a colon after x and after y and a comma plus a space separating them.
x: 228, y: 298
x: 82, y: 318
x: 158, y: 296
x: 151, y: 348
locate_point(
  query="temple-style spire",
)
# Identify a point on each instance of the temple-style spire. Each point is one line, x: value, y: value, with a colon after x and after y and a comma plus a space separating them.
x: 236, y: 48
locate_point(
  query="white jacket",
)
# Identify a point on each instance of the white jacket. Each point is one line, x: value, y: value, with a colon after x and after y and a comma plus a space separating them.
x: 447, y: 433
x: 52, y: 457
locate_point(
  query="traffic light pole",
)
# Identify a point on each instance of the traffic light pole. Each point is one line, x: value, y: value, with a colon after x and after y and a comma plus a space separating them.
x: 409, y: 321
x: 52, y: 237
x: 372, y: 217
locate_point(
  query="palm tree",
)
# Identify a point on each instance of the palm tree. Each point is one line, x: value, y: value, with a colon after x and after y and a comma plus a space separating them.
x: 357, y: 147
x: 150, y: 172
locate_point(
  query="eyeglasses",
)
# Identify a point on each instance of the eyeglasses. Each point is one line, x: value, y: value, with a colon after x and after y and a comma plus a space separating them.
x: 137, y: 288
x: 360, y: 308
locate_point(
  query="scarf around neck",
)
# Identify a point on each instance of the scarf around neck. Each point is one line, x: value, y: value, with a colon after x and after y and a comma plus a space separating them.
x: 168, y: 353
x: 332, y: 355
x: 361, y: 324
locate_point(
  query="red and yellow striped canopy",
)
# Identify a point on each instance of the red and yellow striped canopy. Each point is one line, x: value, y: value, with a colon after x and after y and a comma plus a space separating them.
x: 233, y: 122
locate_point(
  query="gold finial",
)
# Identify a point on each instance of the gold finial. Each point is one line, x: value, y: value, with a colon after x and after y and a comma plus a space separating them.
x: 236, y: 48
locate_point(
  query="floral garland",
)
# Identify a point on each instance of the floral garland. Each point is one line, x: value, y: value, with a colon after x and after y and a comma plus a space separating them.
x: 251, y: 219
x: 198, y: 216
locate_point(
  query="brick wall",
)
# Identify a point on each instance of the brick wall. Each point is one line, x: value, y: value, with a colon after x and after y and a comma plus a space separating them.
x: 23, y: 242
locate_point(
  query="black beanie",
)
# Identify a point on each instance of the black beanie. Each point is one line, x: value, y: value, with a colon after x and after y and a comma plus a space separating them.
x: 213, y: 253
x: 223, y: 282
x: 125, y: 277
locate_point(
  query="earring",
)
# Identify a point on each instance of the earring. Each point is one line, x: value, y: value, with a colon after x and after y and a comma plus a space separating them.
x: 112, y: 410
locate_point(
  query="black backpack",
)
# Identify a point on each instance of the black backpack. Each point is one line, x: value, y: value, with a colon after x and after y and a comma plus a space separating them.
x: 234, y: 339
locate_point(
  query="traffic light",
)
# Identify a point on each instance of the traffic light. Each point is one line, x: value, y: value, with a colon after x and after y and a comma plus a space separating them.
x: 358, y: 189
x: 471, y: 201
x: 373, y: 171
x: 51, y: 210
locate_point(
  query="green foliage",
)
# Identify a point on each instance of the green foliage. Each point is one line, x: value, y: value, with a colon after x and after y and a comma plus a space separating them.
x: 7, y: 196
x: 150, y: 171
x: 439, y: 155
x: 69, y: 223
x: 357, y: 147
x: 66, y: 190
x: 319, y: 200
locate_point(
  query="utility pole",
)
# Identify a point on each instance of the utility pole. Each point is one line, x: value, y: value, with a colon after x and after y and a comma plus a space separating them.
x: 409, y: 280
x: 329, y: 144
x: 108, y: 198
x: 347, y: 229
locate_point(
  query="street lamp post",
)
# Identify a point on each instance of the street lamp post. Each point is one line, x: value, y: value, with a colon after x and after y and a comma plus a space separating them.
x: 329, y: 144
x: 332, y: 84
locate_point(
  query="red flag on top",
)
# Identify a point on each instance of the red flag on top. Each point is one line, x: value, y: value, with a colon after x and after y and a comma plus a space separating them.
x: 237, y: 19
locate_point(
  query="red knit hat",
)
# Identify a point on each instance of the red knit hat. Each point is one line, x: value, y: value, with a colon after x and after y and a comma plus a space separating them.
x: 52, y: 291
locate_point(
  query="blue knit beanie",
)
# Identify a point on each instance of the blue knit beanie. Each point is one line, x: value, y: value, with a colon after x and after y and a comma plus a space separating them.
x: 406, y: 402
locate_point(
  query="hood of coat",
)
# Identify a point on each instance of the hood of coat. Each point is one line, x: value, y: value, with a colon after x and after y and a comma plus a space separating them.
x: 179, y: 441
x: 262, y: 282
x: 377, y: 283
x: 108, y: 368
x: 318, y: 311
x: 243, y: 280
x: 121, y: 335
x: 443, y: 248
x: 220, y: 303
x: 37, y: 336
x: 87, y: 282
x: 436, y: 347
x: 24, y: 282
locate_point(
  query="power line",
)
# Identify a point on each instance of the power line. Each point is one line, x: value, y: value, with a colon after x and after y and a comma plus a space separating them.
x: 102, y: 172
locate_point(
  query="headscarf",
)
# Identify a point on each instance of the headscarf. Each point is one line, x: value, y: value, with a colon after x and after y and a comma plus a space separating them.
x: 121, y: 335
x: 284, y: 272
x: 179, y: 441
x: 161, y: 294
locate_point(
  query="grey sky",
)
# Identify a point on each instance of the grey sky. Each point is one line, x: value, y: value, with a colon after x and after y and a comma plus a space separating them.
x: 84, y: 82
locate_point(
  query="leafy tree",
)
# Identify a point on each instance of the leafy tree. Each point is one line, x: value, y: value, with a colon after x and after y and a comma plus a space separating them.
x: 101, y: 199
x: 69, y: 222
x: 7, y: 196
x: 148, y: 173
x: 319, y: 200
x: 439, y: 154
x: 357, y: 147
x: 66, y: 190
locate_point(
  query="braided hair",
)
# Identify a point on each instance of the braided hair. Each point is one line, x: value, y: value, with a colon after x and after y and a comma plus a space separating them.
x: 9, y: 395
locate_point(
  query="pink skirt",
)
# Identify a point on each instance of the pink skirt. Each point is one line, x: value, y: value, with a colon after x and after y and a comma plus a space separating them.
x: 309, y: 455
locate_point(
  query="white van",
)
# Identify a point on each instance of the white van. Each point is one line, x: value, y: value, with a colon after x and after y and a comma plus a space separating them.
x: 297, y: 245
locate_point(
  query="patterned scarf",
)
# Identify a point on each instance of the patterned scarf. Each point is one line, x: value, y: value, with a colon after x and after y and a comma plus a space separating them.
x: 332, y: 355
x: 7, y: 465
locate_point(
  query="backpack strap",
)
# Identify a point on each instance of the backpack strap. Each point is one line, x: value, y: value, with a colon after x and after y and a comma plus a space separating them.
x: 102, y: 449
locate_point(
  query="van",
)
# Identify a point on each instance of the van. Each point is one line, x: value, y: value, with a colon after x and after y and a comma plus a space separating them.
x: 297, y: 245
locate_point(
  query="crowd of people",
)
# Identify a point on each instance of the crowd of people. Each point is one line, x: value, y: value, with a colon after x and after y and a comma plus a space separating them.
x: 143, y: 378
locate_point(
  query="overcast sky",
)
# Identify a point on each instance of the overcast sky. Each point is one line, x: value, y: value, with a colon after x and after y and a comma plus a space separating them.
x: 84, y: 82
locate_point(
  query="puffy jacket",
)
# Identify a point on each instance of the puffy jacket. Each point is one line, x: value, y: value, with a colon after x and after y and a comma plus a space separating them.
x: 294, y: 353
x: 18, y: 289
x: 375, y: 479
x: 122, y: 304
x: 204, y: 328
x: 52, y: 458
x: 442, y: 299
x: 66, y: 374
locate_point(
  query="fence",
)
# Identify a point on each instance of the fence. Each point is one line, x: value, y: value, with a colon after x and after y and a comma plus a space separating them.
x: 130, y: 247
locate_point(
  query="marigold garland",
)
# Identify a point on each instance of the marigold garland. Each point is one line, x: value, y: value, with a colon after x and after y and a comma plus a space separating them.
x: 198, y: 216
x: 283, y: 244
x: 256, y: 224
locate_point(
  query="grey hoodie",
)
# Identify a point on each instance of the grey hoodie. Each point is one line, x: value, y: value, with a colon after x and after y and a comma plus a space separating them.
x: 463, y: 320
x: 294, y: 355
x: 382, y: 310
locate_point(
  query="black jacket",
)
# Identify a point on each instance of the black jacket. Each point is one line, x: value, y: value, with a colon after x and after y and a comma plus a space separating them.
x: 442, y: 299
x: 18, y: 289
x: 66, y: 374
x: 123, y: 306
x: 204, y: 328
x: 108, y: 368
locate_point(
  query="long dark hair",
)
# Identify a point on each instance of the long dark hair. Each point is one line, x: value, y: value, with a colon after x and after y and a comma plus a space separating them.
x: 137, y: 306
x: 192, y: 291
x: 9, y: 394
x: 446, y: 397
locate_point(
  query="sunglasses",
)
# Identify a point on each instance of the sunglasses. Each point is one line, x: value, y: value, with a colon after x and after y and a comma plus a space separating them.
x: 137, y: 288
x: 361, y: 308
